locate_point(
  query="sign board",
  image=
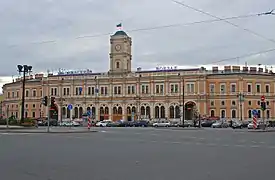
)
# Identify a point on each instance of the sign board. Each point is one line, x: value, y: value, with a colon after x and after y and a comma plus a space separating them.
x: 262, y: 98
x: 254, y: 112
x: 74, y: 72
x: 164, y: 68
x: 70, y: 106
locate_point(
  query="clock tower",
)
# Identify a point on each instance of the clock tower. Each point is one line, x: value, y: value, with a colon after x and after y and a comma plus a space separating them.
x: 120, y: 53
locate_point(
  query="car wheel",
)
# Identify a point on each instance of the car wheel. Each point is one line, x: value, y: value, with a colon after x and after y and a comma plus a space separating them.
x: 100, y: 125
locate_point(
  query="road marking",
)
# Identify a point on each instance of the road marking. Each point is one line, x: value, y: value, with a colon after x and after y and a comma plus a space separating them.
x: 239, y: 145
x: 255, y: 146
x: 176, y: 142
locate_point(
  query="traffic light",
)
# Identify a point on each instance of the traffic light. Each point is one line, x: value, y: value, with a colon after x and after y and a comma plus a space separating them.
x: 263, y: 105
x: 45, y: 100
x: 52, y: 101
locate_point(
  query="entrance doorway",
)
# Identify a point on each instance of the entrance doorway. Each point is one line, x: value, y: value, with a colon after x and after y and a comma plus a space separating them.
x: 190, y: 110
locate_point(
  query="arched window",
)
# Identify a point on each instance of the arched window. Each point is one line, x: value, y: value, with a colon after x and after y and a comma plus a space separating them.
x: 101, y: 111
x: 142, y: 110
x: 171, y: 112
x: 223, y: 114
x: 134, y: 109
x: 212, y: 113
x: 63, y: 111
x: 115, y: 110
x: 128, y: 110
x: 249, y: 114
x: 119, y: 111
x: 68, y: 113
x: 267, y: 114
x: 117, y: 65
x: 106, y: 110
x: 156, y: 112
x: 76, y: 112
x: 148, y: 113
x: 233, y: 113
x: 162, y: 112
x: 80, y: 112
x: 259, y: 113
x: 177, y: 112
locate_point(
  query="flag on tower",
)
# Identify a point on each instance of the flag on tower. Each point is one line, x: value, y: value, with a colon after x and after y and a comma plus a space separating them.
x: 119, y: 25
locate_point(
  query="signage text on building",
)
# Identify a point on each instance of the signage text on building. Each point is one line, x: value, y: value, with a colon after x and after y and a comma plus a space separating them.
x: 163, y: 68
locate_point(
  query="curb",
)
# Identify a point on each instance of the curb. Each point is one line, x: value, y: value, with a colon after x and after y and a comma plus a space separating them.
x: 51, y: 132
x: 261, y: 131
x: 188, y: 129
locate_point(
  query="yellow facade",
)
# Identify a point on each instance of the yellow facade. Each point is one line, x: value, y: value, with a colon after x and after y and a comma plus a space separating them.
x: 123, y: 94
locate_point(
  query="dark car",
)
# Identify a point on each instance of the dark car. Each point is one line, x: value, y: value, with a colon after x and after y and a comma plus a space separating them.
x: 52, y: 123
x: 207, y: 123
x: 140, y: 123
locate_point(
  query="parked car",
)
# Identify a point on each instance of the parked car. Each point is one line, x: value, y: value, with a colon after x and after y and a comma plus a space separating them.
x: 162, y: 124
x: 237, y: 125
x: 251, y: 126
x: 207, y: 123
x: 220, y: 124
x: 141, y: 123
x: 103, y: 123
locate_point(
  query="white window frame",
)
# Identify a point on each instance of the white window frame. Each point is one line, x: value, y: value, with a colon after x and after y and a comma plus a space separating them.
x: 173, y: 90
x: 212, y: 101
x: 268, y: 88
x: 211, y: 87
x: 251, y: 88
x: 224, y: 91
x: 258, y: 84
x: 224, y: 113
x: 233, y: 84
x: 190, y: 86
x: 161, y: 88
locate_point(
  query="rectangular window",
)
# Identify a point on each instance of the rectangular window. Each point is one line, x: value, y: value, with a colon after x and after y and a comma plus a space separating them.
x: 115, y: 90
x: 172, y: 88
x: 212, y: 88
x: 93, y: 90
x: 157, y: 89
x: 143, y: 89
x: 267, y: 88
x: 52, y: 91
x: 161, y: 89
x: 101, y: 90
x: 33, y: 114
x: 34, y: 93
x: 129, y: 90
x: 12, y: 94
x: 258, y: 88
x: 190, y: 88
x: 106, y: 90
x: 33, y: 106
x: 17, y: 94
x: 55, y: 92
x: 76, y: 91
x: 133, y: 89
x: 89, y: 91
x: 64, y: 91
x: 176, y: 88
x: 147, y: 89
x: 249, y: 88
x: 222, y: 88
x: 27, y: 93
x: 233, y: 88
x: 68, y: 91
x: 119, y: 90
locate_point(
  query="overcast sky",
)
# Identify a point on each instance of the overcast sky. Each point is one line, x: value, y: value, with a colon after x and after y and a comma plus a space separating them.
x: 24, y: 22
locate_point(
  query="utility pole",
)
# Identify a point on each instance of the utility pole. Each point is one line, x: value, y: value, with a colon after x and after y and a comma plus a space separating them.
x: 23, y: 69
x: 241, y: 100
x: 263, y: 107
x: 182, y: 100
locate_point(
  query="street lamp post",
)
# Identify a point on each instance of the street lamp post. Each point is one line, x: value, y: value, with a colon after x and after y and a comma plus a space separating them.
x: 183, y: 105
x: 241, y: 100
x: 23, y: 69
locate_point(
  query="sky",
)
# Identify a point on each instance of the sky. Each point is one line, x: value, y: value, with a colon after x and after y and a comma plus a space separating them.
x: 69, y: 34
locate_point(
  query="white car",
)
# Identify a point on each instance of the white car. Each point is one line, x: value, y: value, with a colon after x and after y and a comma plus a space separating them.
x: 103, y: 123
x: 251, y: 126
x: 162, y: 124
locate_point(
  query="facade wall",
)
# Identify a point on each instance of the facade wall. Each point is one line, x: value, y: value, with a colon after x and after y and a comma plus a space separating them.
x: 215, y: 92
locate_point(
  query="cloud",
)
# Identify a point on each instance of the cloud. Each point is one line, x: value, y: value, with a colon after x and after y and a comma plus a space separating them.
x: 61, y: 22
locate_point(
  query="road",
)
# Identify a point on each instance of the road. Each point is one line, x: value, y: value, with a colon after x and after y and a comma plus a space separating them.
x: 138, y: 153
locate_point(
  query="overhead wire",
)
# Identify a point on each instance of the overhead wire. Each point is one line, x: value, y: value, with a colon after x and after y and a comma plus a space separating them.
x: 228, y: 22
x: 143, y: 29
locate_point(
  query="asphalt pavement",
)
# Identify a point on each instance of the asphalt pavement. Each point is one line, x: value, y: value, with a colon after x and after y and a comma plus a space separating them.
x: 138, y: 153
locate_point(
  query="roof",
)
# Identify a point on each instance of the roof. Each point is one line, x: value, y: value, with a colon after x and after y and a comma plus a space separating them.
x: 120, y: 33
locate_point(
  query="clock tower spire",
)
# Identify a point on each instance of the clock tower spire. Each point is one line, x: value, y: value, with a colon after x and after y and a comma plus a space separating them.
x: 120, y: 53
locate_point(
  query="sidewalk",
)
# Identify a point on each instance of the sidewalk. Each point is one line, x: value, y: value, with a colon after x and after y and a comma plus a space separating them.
x: 20, y: 129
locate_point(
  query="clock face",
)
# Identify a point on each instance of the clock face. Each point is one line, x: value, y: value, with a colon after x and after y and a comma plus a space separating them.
x: 118, y: 47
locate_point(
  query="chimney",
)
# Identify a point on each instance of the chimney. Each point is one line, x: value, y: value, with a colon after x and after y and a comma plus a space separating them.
x: 227, y: 68
x: 215, y: 69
